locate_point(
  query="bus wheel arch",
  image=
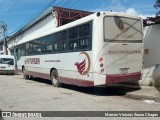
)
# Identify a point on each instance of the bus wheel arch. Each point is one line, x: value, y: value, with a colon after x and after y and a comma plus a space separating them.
x: 23, y: 68
x: 25, y: 76
x: 55, y: 79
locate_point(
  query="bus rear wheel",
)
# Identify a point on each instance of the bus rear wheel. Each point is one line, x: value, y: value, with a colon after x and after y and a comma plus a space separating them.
x: 55, y: 78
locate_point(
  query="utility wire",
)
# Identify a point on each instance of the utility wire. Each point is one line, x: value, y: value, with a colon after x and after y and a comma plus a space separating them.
x: 60, y: 3
x: 41, y: 11
x: 75, y: 3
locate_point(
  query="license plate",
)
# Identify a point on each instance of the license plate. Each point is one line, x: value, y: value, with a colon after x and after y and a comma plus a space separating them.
x: 124, y: 70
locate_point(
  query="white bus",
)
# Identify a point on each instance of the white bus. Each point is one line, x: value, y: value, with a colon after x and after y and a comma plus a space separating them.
x: 100, y: 49
x: 7, y: 64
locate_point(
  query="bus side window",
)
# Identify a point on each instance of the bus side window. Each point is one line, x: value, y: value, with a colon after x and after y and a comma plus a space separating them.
x: 84, y: 36
x: 49, y: 48
x: 60, y: 47
x: 73, y: 45
x: 56, y: 37
x: 55, y: 47
x: 84, y: 43
x: 73, y: 39
x: 65, y: 46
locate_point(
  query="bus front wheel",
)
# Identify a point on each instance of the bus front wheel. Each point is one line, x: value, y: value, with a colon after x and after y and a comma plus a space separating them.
x: 55, y: 78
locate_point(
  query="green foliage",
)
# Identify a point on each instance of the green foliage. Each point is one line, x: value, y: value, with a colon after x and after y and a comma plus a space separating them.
x: 157, y: 5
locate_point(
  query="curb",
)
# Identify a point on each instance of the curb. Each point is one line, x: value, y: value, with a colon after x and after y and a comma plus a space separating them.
x: 142, y: 92
x: 142, y: 97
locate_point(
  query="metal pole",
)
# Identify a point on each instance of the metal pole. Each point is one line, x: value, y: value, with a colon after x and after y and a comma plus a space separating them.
x: 4, y: 29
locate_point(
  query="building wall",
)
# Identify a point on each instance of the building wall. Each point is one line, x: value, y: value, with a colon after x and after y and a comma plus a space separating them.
x: 40, y: 29
x: 151, y: 72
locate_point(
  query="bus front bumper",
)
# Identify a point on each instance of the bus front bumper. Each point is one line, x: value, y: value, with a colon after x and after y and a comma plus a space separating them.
x: 111, y: 79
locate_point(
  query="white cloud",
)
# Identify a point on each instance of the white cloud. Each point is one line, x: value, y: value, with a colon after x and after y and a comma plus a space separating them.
x: 134, y: 12
x: 131, y: 11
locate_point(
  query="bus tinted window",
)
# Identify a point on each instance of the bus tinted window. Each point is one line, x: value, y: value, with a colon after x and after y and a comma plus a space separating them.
x: 73, y: 45
x: 63, y: 35
x: 56, y: 37
x: 73, y: 33
x: 28, y: 48
x: 84, y: 30
x: 84, y: 43
x: 20, y: 50
x: 69, y: 40
x: 124, y: 29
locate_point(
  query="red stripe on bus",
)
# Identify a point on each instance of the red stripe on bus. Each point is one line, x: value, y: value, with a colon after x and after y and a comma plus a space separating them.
x: 37, y: 74
x: 78, y: 82
x: 110, y: 79
x: 71, y: 81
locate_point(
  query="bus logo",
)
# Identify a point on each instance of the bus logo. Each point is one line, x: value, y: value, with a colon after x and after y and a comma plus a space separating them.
x: 121, y: 25
x: 82, y: 67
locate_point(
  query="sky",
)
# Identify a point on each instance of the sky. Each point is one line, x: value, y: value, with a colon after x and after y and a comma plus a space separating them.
x: 16, y: 13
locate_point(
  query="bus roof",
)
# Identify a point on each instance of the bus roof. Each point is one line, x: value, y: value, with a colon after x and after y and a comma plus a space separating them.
x: 90, y: 18
x: 82, y: 21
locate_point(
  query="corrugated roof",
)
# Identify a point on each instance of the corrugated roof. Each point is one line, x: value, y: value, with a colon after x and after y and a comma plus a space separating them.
x: 44, y: 14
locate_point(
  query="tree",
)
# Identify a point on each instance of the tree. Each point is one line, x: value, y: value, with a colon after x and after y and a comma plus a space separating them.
x: 157, y: 6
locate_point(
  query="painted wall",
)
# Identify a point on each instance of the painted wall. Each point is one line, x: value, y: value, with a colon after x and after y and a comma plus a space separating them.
x: 151, y: 72
x: 41, y: 28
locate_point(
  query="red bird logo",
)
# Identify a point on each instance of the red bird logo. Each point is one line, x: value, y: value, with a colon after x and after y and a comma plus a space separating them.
x: 81, y: 67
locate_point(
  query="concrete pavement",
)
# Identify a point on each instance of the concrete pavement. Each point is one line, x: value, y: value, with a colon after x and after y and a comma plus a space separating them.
x: 146, y: 92
x: 140, y: 92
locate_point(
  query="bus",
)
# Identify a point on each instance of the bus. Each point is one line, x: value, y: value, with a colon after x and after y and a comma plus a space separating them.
x: 7, y: 64
x: 100, y: 49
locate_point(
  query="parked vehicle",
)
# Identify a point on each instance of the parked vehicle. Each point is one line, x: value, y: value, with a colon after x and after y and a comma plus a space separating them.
x: 100, y: 49
x: 7, y: 64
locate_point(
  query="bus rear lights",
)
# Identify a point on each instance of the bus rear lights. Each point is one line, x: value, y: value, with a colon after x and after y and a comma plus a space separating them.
x: 101, y: 65
x: 100, y: 59
x: 102, y: 70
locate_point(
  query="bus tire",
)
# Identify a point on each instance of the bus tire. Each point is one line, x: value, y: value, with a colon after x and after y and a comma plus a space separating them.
x: 25, y: 76
x: 55, y: 78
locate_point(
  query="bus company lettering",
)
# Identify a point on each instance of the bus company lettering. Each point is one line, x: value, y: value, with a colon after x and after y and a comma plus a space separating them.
x: 125, y: 52
x: 52, y: 61
x: 32, y: 61
x: 82, y: 68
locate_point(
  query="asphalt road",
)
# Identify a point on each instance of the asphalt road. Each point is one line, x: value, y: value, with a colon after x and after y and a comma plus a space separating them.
x: 18, y: 94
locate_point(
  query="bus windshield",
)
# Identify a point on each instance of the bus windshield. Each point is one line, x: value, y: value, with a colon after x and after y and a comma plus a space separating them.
x: 118, y: 28
x: 8, y: 61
